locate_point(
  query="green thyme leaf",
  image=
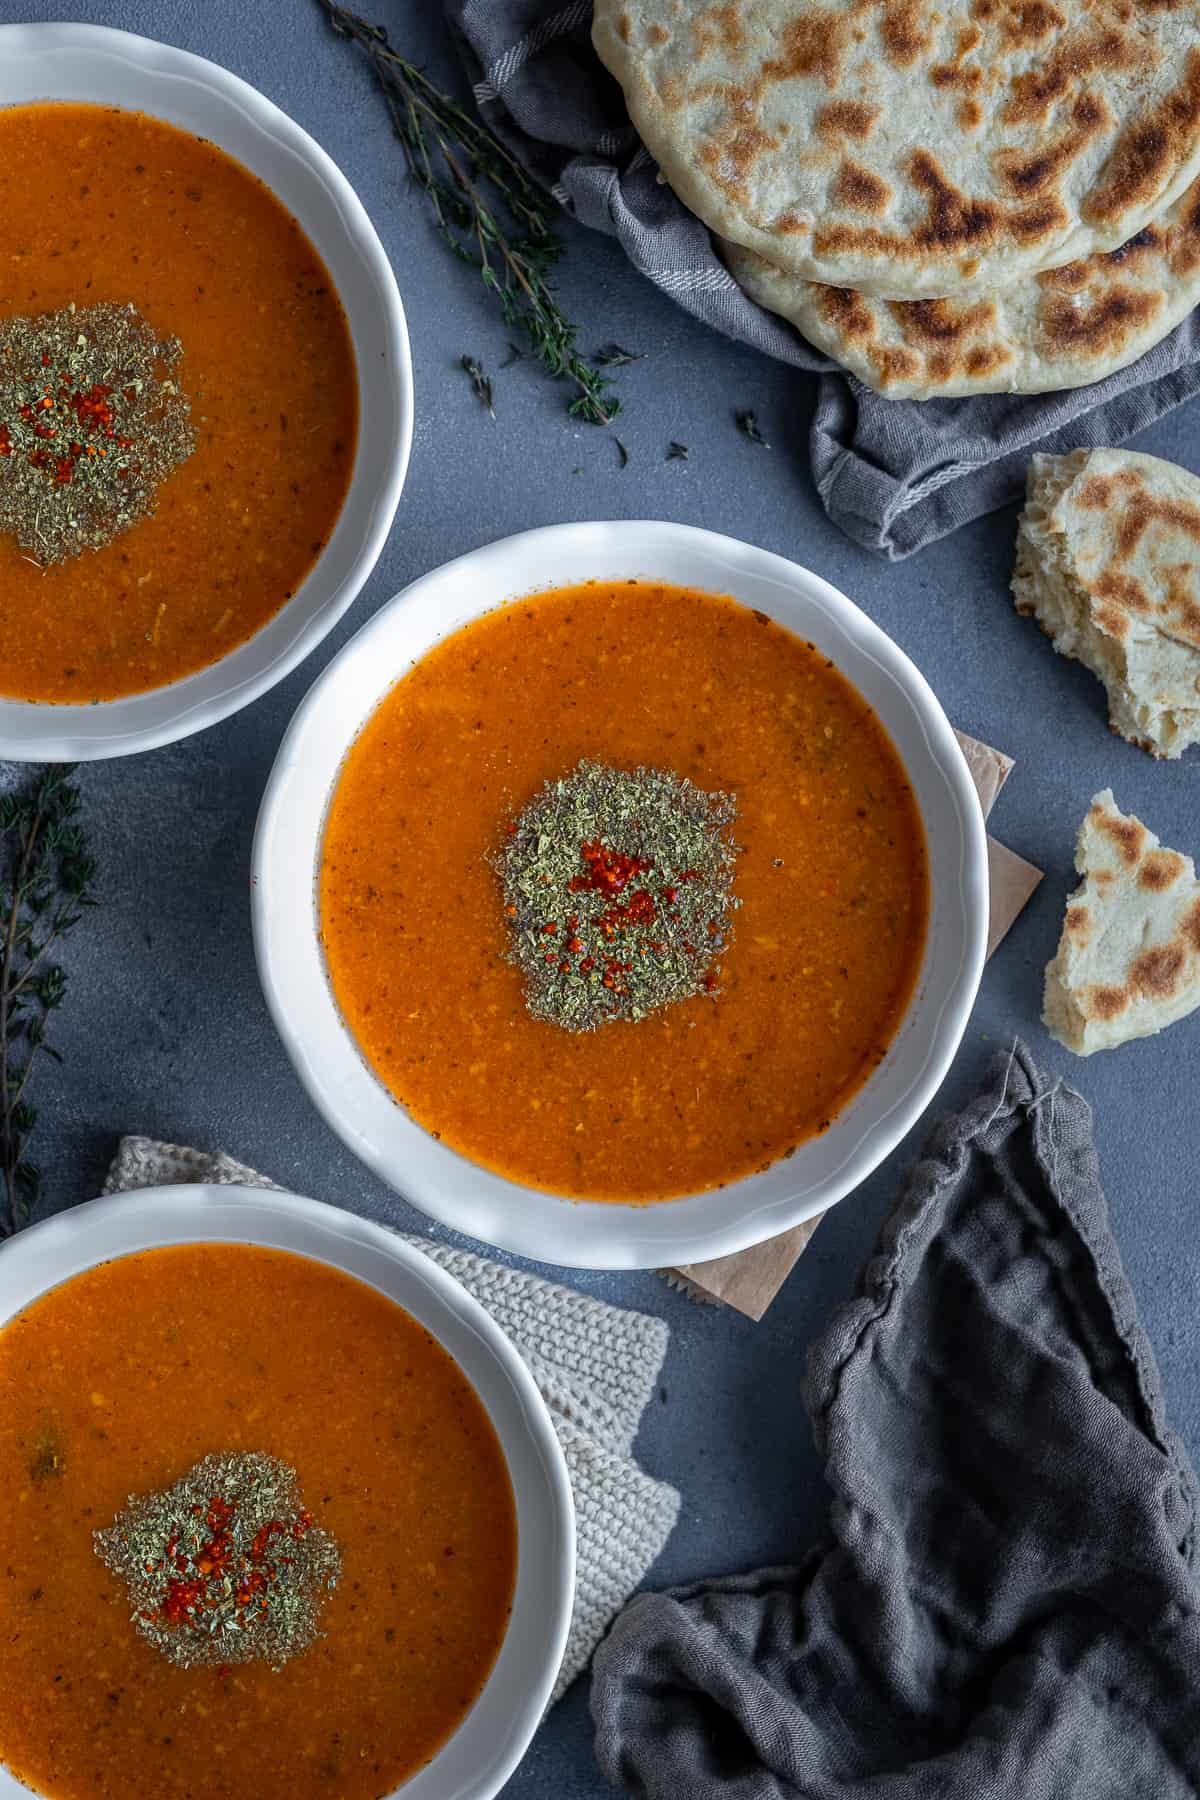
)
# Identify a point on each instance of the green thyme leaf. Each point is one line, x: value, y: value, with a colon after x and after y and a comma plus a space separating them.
x: 613, y: 356
x: 747, y: 424
x: 480, y: 382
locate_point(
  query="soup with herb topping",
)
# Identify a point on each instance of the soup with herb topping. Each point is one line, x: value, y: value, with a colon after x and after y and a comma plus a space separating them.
x: 623, y: 891
x: 229, y: 1366
x: 107, y: 209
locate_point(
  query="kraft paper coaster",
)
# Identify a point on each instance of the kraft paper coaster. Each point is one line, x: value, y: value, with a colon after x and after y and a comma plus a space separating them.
x: 750, y: 1280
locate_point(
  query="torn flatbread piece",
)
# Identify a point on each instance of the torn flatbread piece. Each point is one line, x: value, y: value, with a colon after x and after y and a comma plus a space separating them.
x: 1128, y: 962
x: 1108, y: 562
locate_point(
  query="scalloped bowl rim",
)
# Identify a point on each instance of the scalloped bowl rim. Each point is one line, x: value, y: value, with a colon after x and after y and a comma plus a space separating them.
x: 477, y: 1759
x: 474, y: 1199
x: 103, y: 66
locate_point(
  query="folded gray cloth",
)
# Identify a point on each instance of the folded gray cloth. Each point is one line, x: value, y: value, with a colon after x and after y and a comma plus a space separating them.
x: 1009, y: 1605
x: 893, y: 474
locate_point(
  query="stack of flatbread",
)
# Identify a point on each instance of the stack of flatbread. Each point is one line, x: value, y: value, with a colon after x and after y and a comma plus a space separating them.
x: 947, y: 196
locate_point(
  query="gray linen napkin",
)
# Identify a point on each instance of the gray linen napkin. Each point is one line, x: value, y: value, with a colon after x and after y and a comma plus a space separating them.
x: 596, y: 1367
x: 1009, y: 1603
x: 893, y: 474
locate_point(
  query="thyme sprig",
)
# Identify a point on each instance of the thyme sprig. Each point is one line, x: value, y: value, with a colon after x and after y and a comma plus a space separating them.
x: 486, y: 208
x: 46, y: 876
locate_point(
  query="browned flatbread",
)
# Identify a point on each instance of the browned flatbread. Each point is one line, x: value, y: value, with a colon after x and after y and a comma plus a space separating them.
x: 910, y: 148
x: 1128, y: 962
x: 1060, y: 329
x: 1108, y: 559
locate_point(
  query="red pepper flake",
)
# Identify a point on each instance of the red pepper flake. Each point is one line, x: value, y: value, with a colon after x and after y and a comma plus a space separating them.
x: 262, y: 1539
x: 638, y: 911
x: 608, y: 871
x: 182, y: 1600
x: 92, y: 408
x: 251, y: 1586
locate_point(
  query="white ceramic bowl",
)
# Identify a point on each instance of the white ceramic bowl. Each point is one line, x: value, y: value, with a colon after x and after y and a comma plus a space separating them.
x: 115, y: 68
x: 437, y: 1179
x: 478, y: 1759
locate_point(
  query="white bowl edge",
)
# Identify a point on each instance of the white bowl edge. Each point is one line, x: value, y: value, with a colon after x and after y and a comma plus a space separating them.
x: 478, y: 1758
x: 446, y: 1185
x: 99, y: 65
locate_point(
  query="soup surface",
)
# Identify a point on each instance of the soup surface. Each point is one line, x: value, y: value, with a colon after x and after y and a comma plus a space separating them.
x: 117, y: 1383
x: 831, y: 876
x: 104, y: 205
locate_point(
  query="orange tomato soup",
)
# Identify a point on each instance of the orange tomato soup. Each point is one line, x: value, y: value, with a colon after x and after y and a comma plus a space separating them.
x: 117, y: 1383
x: 104, y: 205
x: 832, y: 879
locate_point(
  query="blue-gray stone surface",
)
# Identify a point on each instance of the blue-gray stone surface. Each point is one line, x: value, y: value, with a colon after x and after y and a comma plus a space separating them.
x: 165, y: 1031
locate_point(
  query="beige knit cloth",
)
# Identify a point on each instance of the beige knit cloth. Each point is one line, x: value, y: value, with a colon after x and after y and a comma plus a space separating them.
x: 596, y: 1367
